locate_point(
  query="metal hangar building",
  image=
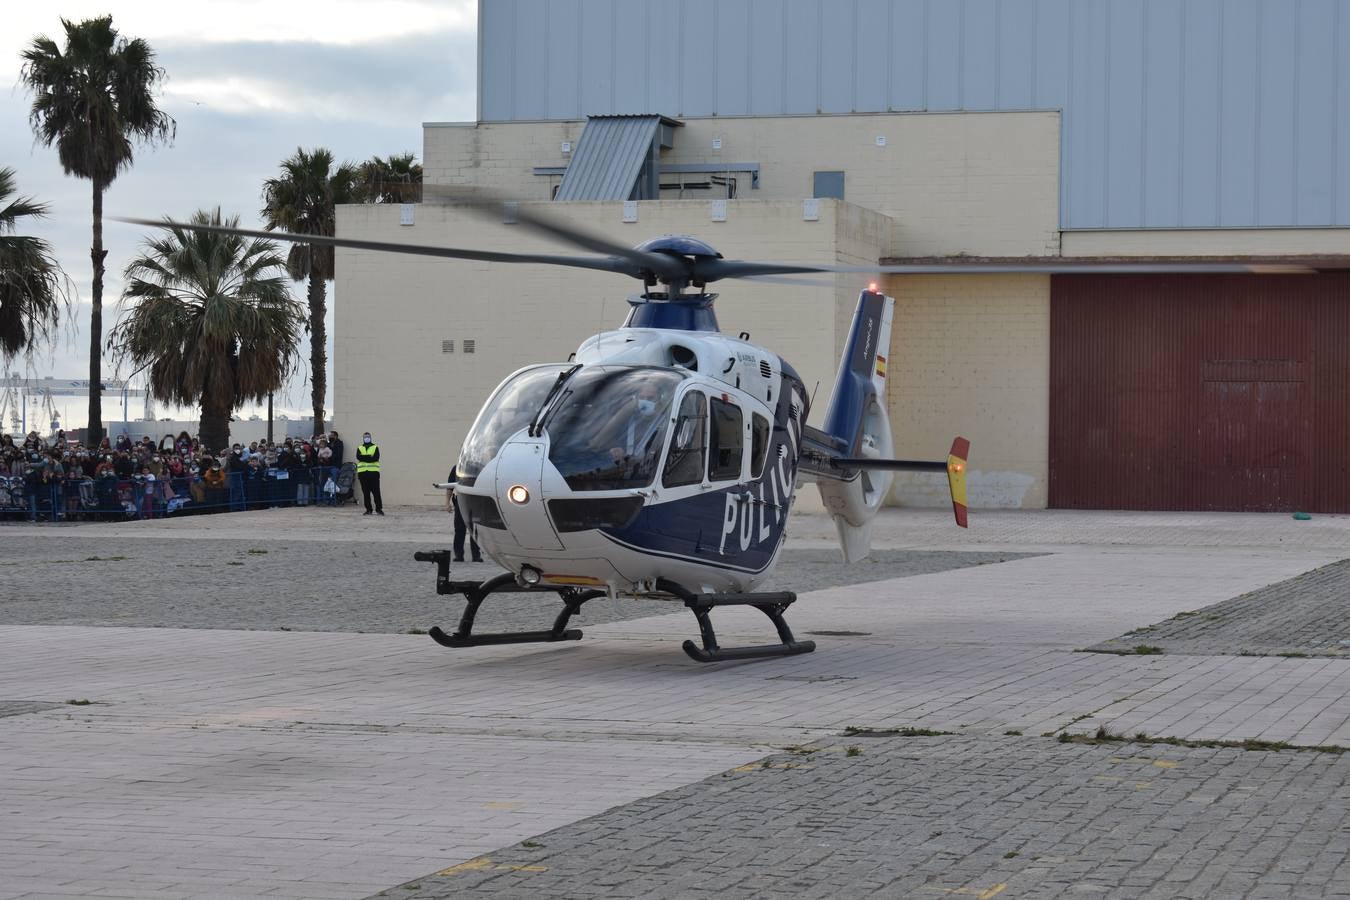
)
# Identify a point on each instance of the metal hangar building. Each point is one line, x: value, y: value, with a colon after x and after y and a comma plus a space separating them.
x: 1053, y: 161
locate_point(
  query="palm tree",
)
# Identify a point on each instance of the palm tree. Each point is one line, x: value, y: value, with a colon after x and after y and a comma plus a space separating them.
x: 303, y: 201
x: 213, y: 321
x: 397, y: 179
x: 32, y: 286
x: 92, y: 100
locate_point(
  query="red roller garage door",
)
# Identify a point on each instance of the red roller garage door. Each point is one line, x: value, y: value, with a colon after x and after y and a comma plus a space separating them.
x: 1202, y: 392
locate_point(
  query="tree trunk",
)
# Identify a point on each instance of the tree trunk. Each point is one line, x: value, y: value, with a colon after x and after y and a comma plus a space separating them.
x: 97, y: 254
x: 318, y: 347
x: 214, y: 428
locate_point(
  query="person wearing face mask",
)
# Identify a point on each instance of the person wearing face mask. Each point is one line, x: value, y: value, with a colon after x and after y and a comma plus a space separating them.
x: 368, y: 473
x: 635, y: 435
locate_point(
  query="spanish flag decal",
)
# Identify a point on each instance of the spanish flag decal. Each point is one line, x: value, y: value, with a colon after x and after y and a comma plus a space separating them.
x: 956, y: 478
x: 881, y: 365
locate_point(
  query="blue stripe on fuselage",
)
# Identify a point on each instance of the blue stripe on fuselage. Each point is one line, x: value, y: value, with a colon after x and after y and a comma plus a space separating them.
x: 739, y: 526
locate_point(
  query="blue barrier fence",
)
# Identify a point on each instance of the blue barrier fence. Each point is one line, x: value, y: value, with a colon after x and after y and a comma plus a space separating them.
x: 112, y: 498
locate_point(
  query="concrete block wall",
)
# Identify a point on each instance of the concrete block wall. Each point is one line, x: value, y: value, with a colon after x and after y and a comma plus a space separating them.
x: 970, y: 355
x: 392, y: 378
x: 985, y: 184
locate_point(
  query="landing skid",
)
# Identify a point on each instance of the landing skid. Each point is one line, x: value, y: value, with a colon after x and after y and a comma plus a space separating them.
x: 772, y: 605
x: 476, y: 592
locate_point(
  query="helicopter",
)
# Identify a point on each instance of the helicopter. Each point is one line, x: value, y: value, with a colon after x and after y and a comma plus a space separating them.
x: 661, y: 460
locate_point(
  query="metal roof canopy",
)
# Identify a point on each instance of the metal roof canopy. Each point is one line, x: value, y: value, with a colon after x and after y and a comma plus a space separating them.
x: 617, y: 158
x: 1265, y: 264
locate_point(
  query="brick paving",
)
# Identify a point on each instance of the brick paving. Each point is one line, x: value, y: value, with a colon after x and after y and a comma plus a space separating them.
x: 1308, y: 615
x: 952, y: 815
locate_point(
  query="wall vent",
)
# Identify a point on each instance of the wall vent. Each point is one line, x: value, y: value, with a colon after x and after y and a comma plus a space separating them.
x: 448, y: 346
x: 468, y: 345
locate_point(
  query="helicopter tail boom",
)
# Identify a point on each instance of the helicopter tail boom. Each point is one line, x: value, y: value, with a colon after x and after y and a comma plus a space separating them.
x: 850, y: 458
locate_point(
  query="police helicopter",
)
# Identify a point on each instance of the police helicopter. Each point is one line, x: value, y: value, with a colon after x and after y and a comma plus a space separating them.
x: 662, y: 459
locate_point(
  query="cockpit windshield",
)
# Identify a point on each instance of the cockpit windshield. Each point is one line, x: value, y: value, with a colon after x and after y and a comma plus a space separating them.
x: 511, y: 408
x: 609, y: 424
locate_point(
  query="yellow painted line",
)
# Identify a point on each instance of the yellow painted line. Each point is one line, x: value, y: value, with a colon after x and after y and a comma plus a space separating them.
x: 473, y: 865
x: 1147, y: 761
x: 985, y: 894
x: 484, y: 863
x: 506, y: 804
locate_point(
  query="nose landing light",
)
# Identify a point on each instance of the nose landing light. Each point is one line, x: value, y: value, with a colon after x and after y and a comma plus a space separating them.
x: 518, y: 494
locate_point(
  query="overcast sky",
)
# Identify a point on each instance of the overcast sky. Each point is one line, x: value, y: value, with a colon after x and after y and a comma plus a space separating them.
x: 249, y: 81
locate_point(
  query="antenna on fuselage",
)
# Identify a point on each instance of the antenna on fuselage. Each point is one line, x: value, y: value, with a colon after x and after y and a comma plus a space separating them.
x: 600, y: 332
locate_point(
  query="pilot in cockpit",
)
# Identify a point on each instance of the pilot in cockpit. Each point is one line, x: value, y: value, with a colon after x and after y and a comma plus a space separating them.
x: 639, y: 426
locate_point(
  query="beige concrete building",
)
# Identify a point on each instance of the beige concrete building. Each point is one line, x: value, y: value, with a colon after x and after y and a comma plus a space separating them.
x: 1100, y: 292
x: 933, y: 169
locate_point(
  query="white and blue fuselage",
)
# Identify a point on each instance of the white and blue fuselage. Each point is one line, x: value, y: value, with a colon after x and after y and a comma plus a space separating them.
x: 569, y: 477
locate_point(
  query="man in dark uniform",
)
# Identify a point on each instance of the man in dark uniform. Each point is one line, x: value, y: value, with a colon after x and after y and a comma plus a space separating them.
x: 460, y: 528
x: 368, y: 473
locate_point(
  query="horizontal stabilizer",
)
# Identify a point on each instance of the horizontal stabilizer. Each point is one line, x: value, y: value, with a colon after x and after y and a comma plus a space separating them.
x: 892, y: 465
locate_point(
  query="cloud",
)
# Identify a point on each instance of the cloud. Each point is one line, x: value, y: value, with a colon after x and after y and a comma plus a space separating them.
x: 393, y: 82
x: 343, y: 23
x: 241, y: 107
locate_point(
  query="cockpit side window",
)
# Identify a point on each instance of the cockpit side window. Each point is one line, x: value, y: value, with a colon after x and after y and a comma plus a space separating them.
x: 684, y: 463
x: 728, y: 439
x: 509, y: 410
x: 759, y: 444
x: 608, y: 426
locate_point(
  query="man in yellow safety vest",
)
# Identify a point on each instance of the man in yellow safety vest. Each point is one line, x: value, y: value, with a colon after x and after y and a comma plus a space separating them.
x: 368, y: 473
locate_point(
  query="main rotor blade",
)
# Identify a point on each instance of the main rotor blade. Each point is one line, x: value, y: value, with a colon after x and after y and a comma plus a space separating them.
x: 713, y: 269
x: 790, y: 282
x: 708, y: 270
x: 489, y: 204
x: 604, y: 264
x: 1069, y: 266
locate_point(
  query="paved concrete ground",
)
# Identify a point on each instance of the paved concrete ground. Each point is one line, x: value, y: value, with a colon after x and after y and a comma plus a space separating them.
x: 265, y: 763
x: 1308, y: 615
x: 80, y: 577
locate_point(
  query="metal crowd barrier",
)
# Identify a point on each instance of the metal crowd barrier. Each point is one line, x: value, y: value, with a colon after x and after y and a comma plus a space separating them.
x: 115, y: 499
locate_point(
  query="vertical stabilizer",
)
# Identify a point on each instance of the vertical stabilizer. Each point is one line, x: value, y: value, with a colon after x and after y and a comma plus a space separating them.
x: 857, y: 420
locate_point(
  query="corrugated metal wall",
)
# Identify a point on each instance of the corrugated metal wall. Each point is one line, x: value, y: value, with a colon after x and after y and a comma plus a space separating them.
x: 1200, y: 392
x: 1177, y: 113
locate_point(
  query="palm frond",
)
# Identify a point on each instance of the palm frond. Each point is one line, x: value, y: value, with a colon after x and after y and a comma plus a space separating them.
x: 209, y: 315
x: 34, y: 291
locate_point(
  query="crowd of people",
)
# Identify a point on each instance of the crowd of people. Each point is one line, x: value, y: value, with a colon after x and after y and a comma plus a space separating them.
x: 62, y: 479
